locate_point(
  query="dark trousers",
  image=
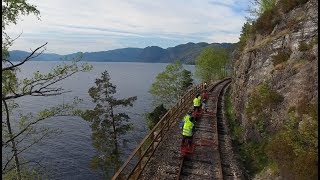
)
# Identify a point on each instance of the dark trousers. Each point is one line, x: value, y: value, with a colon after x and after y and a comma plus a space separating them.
x: 186, y: 139
x: 196, y: 108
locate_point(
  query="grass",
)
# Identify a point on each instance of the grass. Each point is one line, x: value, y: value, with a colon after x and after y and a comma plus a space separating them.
x: 282, y: 56
x: 267, y: 40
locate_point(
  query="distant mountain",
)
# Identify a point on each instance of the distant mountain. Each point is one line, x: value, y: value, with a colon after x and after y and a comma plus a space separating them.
x: 17, y: 55
x: 187, y: 53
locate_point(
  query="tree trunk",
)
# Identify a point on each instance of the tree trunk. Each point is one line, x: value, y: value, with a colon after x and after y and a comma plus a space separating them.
x: 14, y: 148
x: 114, y: 131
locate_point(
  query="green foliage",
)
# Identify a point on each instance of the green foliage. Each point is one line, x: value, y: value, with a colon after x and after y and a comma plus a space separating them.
x: 282, y: 56
x: 11, y: 12
x: 155, y: 116
x: 170, y: 84
x: 261, y: 102
x: 12, y: 9
x: 40, y: 84
x: 288, y: 5
x: 266, y: 5
x: 267, y: 21
x: 266, y: 16
x: 186, y: 79
x: 259, y: 7
x: 304, y: 46
x: 245, y: 34
x: 9, y: 82
x: 267, y: 13
x: 107, y: 126
x: 254, y: 156
x: 13, y: 141
x: 34, y: 174
x: 234, y: 125
x: 211, y: 64
x: 295, y: 148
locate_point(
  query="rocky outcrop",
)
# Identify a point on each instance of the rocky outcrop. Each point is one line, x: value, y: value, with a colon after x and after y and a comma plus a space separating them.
x: 294, y: 39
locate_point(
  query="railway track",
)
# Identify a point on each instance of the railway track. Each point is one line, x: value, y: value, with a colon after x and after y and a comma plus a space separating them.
x: 206, y: 161
x: 212, y: 157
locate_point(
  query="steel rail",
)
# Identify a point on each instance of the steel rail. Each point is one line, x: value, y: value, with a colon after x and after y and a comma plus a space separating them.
x: 138, y: 159
x: 219, y: 93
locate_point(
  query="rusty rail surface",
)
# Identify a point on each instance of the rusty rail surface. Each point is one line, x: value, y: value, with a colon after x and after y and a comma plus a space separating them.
x: 138, y: 159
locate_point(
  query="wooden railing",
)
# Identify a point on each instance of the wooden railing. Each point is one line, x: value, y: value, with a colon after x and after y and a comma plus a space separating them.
x: 136, y: 162
x: 133, y: 166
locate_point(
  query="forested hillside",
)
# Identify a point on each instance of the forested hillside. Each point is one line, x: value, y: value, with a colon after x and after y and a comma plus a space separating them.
x: 187, y: 53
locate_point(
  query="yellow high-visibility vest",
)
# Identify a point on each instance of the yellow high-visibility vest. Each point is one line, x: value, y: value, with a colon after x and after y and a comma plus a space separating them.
x: 186, y: 118
x: 196, y: 102
x: 187, y: 128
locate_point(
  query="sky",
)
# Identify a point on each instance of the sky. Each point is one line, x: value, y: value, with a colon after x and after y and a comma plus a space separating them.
x: 100, y: 25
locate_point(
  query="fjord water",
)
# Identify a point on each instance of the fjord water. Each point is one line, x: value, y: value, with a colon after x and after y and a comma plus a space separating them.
x: 67, y: 155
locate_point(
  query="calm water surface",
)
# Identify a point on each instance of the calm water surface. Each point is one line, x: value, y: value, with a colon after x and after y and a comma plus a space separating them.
x: 67, y: 155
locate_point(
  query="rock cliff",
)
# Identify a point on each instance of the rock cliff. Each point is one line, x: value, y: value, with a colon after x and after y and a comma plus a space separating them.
x: 285, y: 61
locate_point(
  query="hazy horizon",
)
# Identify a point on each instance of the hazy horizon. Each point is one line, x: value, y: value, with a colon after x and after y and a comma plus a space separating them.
x: 108, y: 25
x: 109, y: 49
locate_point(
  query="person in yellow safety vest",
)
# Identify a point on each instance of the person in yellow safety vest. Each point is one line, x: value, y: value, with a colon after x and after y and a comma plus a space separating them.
x: 187, y: 129
x: 197, y: 103
x: 186, y: 117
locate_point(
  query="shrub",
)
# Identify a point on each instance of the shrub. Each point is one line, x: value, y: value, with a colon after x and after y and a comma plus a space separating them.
x: 304, y: 107
x: 262, y: 100
x: 260, y: 104
x: 267, y: 21
x: 35, y: 173
x: 295, y: 148
x: 254, y: 155
x: 282, y: 56
x: 155, y: 116
x: 245, y: 34
x: 234, y: 125
x: 315, y: 41
x: 288, y: 5
x: 261, y: 6
x: 303, y: 46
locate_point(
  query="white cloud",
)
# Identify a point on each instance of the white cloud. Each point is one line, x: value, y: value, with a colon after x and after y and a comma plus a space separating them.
x: 223, y: 37
x: 102, y: 23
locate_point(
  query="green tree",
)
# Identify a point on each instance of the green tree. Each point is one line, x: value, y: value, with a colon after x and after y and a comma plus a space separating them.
x: 245, y: 34
x: 14, y: 167
x: 107, y: 126
x: 258, y: 7
x: 170, y: 84
x: 211, y: 63
x: 154, y: 117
